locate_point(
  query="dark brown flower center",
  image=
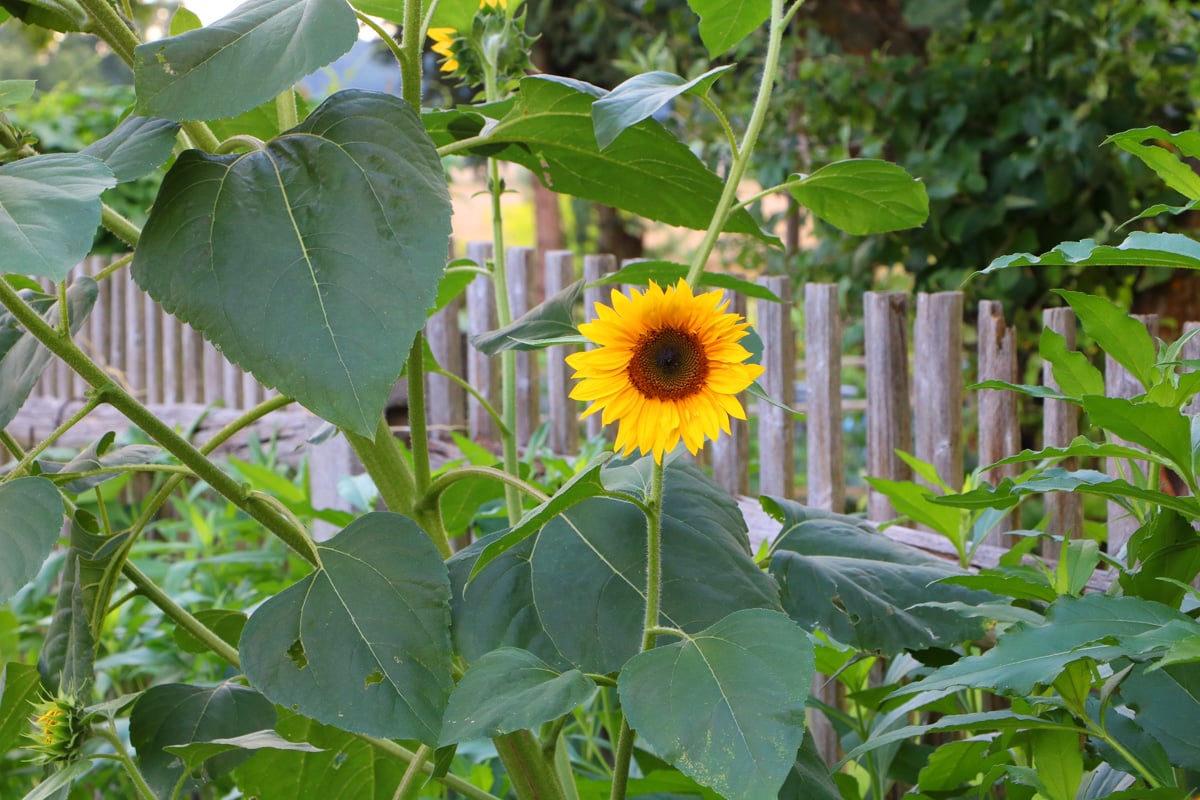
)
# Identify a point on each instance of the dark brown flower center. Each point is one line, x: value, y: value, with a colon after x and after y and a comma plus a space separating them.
x: 668, y: 364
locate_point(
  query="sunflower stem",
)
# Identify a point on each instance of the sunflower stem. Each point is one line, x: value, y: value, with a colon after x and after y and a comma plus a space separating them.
x: 650, y: 627
x: 738, y: 168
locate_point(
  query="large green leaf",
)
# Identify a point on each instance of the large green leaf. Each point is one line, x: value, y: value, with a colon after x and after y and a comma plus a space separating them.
x: 1161, y: 430
x: 724, y: 23
x: 49, y: 210
x: 364, y: 642
x: 840, y: 576
x: 863, y: 196
x: 22, y: 357
x: 311, y: 262
x: 589, y: 566
x: 177, y: 713
x: 31, y: 515
x: 20, y: 685
x: 1140, y: 249
x: 574, y: 594
x: 1096, y: 626
x: 136, y: 147
x: 247, y: 57
x: 550, y: 128
x: 725, y: 706
x: 347, y: 768
x: 507, y: 690
x: 1167, y: 702
x: 641, y: 97
x: 1171, y: 168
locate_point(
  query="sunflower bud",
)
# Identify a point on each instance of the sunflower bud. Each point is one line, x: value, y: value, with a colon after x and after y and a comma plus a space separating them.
x: 496, y: 43
x: 59, y: 730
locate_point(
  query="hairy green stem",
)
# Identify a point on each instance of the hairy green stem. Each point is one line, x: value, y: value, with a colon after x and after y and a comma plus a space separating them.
x: 532, y: 776
x: 483, y: 401
x: 738, y: 168
x: 12, y: 445
x: 180, y: 616
x: 108, y: 25
x: 650, y: 627
x: 384, y: 36
x: 110, y: 735
x: 112, y: 268
x: 388, y: 467
x: 508, y: 358
x: 285, y: 109
x: 122, y: 227
x: 411, y: 783
x: 444, y: 481
x: 462, y: 787
x: 30, y: 456
x: 240, y: 142
x: 201, y: 136
x: 155, y: 428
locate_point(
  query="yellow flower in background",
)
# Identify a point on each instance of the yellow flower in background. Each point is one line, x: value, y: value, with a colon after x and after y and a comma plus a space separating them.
x: 443, y: 38
x: 668, y: 368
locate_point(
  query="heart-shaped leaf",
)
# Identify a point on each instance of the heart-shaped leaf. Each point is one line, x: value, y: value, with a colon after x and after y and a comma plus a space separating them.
x: 863, y: 196
x: 179, y: 714
x: 320, y: 290
x: 724, y: 23
x: 49, y: 210
x: 203, y: 74
x: 510, y: 689
x: 31, y: 515
x: 22, y: 357
x: 14, y: 92
x: 136, y: 147
x: 696, y: 704
x: 364, y: 642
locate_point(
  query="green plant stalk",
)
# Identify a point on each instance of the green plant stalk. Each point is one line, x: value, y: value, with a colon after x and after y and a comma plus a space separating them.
x: 64, y: 310
x: 387, y: 466
x: 738, y: 168
x: 135, y: 774
x: 650, y: 627
x: 411, y: 783
x: 388, y: 747
x: 532, y: 776
x: 12, y: 445
x: 120, y: 226
x: 1102, y: 734
x: 138, y: 414
x: 444, y: 481
x: 285, y: 109
x: 112, y: 268
x: 180, y: 616
x: 471, y: 390
x: 27, y: 460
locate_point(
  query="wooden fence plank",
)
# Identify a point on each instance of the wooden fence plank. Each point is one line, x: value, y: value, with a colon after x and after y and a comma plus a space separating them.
x: 938, y: 384
x: 135, y: 340
x: 482, y: 373
x: 563, y: 411
x: 999, y: 421
x: 823, y: 377
x: 522, y: 296
x: 889, y: 409
x: 1060, y: 424
x: 1119, y: 382
x: 447, y: 405
x: 776, y: 427
x: 191, y: 364
x: 596, y: 267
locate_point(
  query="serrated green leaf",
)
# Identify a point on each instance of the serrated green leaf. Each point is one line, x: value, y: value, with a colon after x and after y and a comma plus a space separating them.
x: 347, y: 768
x: 136, y: 147
x: 31, y: 515
x: 668, y: 273
x: 1073, y: 373
x: 354, y: 196
x: 1173, y: 170
x: 201, y: 74
x: 863, y: 196
x: 49, y: 210
x: 1079, y: 447
x: 691, y: 701
x: 955, y: 763
x: 364, y: 642
x: 724, y: 23
x: 1139, y: 249
x: 508, y: 690
x: 841, y: 576
x: 551, y: 319
x: 1118, y: 334
x: 13, y: 92
x: 641, y: 97
x: 22, y: 357
x: 178, y: 714
x: 1163, y: 431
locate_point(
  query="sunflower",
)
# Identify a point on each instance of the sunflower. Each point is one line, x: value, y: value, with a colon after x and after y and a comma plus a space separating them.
x: 668, y: 367
x: 444, y: 37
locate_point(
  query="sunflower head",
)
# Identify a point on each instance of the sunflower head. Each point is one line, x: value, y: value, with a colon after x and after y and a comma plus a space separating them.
x: 497, y: 39
x: 59, y: 729
x: 668, y: 367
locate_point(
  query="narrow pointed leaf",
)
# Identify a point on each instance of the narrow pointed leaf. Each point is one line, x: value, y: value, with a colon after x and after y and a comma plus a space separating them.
x: 1161, y: 430
x: 1139, y: 249
x: 364, y: 642
x: 863, y: 196
x: 1073, y: 373
x: 510, y: 689
x: 49, y: 210
x: 693, y: 702
x: 99, y: 455
x: 1175, y: 172
x: 136, y: 147
x: 197, y: 754
x: 203, y: 74
x: 551, y: 319
x: 353, y: 197
x: 31, y: 515
x: 178, y: 714
x: 1118, y: 334
x: 23, y: 358
x: 641, y: 97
